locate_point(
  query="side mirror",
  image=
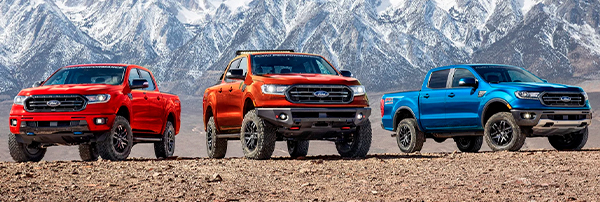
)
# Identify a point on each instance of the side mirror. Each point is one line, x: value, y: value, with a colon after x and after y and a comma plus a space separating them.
x: 138, y: 84
x: 471, y: 82
x: 545, y: 81
x: 346, y: 73
x: 37, y: 84
x: 235, y: 74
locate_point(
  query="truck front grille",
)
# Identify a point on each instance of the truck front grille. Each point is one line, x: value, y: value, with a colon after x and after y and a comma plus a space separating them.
x: 563, y: 99
x: 55, y: 103
x: 320, y: 94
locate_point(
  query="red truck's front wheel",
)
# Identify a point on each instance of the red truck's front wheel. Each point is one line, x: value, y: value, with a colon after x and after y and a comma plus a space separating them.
x: 118, y: 142
x: 21, y: 152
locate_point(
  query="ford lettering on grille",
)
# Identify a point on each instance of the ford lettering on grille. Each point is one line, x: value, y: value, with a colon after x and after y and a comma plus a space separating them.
x: 53, y: 103
x: 321, y: 94
x: 565, y: 99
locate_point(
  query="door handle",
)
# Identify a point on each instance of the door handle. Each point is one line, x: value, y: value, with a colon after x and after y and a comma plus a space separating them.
x: 426, y: 96
x: 145, y: 97
x: 158, y: 98
x: 230, y: 88
x: 451, y: 95
x: 220, y: 90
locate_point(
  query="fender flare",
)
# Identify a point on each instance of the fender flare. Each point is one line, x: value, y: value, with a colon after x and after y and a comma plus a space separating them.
x: 396, y: 116
x: 487, y: 104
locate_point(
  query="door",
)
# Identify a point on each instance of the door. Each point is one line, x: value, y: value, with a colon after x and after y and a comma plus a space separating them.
x: 432, y: 100
x: 156, y: 111
x: 235, y: 97
x: 226, y: 109
x: 139, y: 104
x: 462, y: 102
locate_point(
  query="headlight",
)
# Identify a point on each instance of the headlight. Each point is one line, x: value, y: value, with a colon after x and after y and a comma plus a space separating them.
x: 527, y: 95
x: 585, y: 95
x: 101, y: 98
x: 358, y: 90
x: 274, y: 89
x: 19, y: 100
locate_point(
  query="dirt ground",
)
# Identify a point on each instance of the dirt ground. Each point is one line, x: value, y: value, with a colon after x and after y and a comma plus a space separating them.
x: 489, y: 176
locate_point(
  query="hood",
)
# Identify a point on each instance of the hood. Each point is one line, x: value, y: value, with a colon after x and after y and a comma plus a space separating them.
x: 291, y: 79
x: 533, y: 86
x: 82, y: 89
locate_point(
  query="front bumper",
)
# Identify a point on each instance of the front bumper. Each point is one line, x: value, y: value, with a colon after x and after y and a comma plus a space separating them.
x: 314, y: 123
x: 553, y: 122
x: 71, y: 129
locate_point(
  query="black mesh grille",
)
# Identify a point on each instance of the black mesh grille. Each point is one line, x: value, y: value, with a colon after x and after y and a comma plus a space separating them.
x: 335, y: 94
x: 563, y: 99
x: 68, y: 103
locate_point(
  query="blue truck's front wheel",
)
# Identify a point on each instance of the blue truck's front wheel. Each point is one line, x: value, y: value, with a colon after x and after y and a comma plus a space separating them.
x: 408, y: 136
x: 502, y: 133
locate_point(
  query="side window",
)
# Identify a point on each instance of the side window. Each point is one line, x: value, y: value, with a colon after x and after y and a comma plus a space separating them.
x: 146, y: 75
x: 459, y: 74
x: 133, y: 74
x: 438, y: 79
x: 234, y: 65
x: 244, y: 65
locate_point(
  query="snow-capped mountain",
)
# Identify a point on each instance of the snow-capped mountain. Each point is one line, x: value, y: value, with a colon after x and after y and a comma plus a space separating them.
x: 388, y: 44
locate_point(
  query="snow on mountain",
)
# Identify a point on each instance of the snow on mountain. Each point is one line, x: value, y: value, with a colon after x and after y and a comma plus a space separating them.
x: 388, y: 44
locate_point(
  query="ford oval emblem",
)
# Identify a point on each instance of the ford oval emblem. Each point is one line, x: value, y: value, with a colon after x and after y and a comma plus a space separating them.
x: 565, y: 99
x: 321, y: 94
x: 53, y: 103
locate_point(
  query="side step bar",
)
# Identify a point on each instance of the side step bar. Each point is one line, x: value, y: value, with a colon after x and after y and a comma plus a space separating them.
x: 228, y: 136
x: 146, y: 139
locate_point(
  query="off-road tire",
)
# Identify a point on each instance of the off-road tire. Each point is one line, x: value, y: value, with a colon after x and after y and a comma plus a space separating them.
x: 215, y: 148
x: 469, y: 144
x: 298, y: 148
x: 119, y: 133
x: 360, y: 142
x: 511, y: 140
x: 166, y: 147
x: 20, y: 153
x: 569, y: 142
x: 88, y: 152
x: 257, y: 137
x: 408, y: 136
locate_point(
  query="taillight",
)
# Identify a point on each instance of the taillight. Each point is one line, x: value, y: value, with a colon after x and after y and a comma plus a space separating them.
x: 381, y: 106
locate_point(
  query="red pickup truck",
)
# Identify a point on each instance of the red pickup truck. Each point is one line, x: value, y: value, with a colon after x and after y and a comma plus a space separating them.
x: 269, y: 96
x: 103, y: 108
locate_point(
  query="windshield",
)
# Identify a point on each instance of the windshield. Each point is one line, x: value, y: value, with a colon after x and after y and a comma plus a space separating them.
x: 497, y: 74
x: 112, y: 75
x: 290, y: 64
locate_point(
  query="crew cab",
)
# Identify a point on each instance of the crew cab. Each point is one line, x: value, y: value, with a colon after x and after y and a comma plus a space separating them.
x: 103, y: 108
x: 268, y: 96
x: 499, y: 103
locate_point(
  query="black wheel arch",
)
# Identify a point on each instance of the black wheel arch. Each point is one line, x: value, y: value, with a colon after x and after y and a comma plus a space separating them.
x: 403, y: 113
x: 489, y: 110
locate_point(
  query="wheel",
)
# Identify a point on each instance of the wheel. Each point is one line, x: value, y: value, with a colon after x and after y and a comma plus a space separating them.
x: 469, y: 144
x: 408, y: 136
x: 501, y: 133
x: 439, y: 140
x: 21, y: 152
x: 258, y: 137
x: 118, y: 142
x: 358, y: 143
x: 166, y: 147
x: 573, y: 141
x: 297, y: 148
x: 215, y: 147
x: 88, y: 152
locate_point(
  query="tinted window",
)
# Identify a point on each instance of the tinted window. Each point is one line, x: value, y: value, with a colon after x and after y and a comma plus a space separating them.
x: 244, y: 65
x: 146, y: 75
x: 459, y: 74
x: 497, y: 74
x: 133, y: 74
x: 290, y: 64
x: 112, y: 75
x: 438, y: 79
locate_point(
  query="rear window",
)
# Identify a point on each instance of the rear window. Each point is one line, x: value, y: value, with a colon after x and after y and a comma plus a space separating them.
x: 438, y: 79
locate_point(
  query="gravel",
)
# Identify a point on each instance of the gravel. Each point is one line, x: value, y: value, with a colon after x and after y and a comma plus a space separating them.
x: 488, y: 176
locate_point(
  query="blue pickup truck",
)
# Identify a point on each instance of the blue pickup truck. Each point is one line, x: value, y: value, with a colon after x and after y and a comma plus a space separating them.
x: 499, y: 103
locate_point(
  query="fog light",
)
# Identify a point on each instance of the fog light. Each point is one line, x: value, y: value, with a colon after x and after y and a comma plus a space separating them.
x: 283, y: 116
x: 359, y: 116
x: 100, y: 121
x: 13, y: 122
x: 528, y: 115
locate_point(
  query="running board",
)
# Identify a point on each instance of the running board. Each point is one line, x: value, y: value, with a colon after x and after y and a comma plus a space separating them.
x: 146, y: 139
x: 228, y: 136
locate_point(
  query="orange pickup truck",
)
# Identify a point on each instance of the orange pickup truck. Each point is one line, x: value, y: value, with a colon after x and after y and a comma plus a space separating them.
x: 268, y: 96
